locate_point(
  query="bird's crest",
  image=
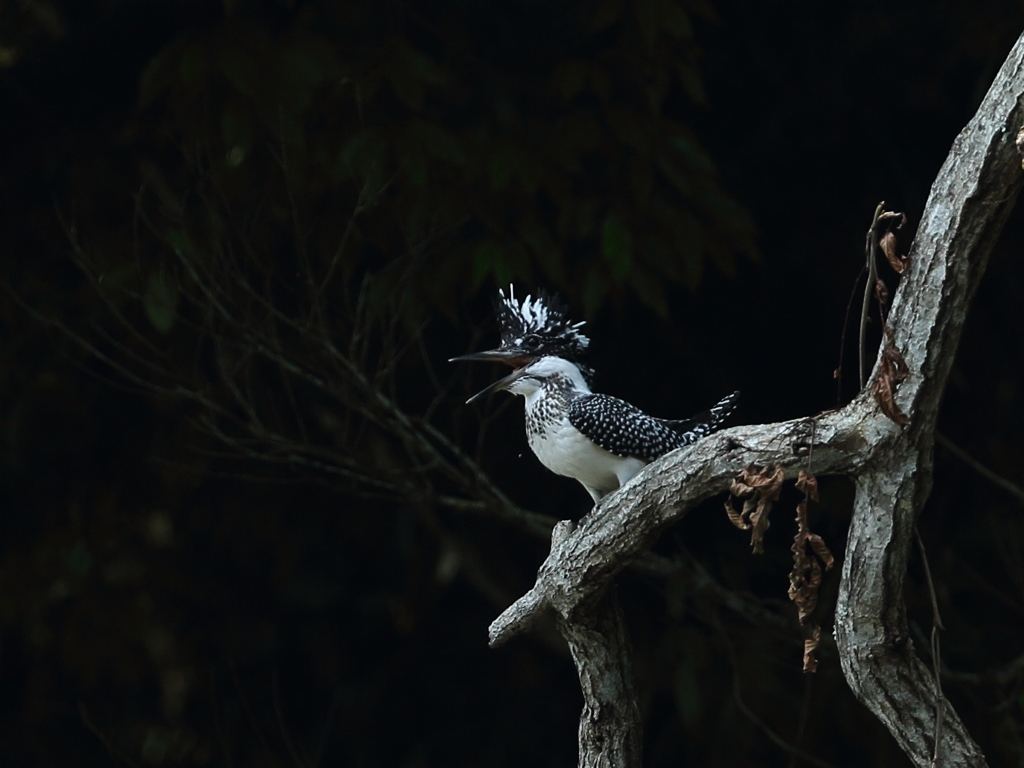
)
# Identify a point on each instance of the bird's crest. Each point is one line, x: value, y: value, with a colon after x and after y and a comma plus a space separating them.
x: 546, y: 317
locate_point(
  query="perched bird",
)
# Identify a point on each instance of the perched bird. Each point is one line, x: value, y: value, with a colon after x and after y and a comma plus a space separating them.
x: 600, y: 440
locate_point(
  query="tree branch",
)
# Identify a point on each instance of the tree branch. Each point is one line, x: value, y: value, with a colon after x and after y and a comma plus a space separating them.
x: 969, y: 203
x: 891, y: 467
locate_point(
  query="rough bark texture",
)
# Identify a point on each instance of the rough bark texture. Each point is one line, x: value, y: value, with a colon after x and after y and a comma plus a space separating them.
x: 966, y: 210
x: 891, y: 466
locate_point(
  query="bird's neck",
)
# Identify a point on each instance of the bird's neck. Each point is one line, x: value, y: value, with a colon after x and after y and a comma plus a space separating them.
x: 557, y: 392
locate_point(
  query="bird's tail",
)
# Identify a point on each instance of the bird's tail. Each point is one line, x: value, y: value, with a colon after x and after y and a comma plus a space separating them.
x: 706, y: 422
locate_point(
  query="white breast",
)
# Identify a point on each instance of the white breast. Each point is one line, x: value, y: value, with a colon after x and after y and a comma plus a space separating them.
x: 565, y: 451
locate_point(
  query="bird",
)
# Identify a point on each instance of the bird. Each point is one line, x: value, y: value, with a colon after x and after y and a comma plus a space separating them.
x: 599, y: 440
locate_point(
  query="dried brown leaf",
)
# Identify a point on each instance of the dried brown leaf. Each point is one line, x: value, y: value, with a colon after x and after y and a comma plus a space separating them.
x: 807, y: 483
x: 881, y: 293
x: 735, y: 517
x: 889, y: 248
x: 809, y: 554
x: 892, y: 370
x: 760, y: 488
x: 888, y: 224
x: 821, y: 550
x: 768, y: 480
x: 759, y: 523
x: 887, y: 218
x: 740, y: 489
x: 810, y: 646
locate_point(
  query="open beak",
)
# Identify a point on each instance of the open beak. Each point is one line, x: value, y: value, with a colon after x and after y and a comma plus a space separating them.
x: 513, y: 357
x: 499, y: 384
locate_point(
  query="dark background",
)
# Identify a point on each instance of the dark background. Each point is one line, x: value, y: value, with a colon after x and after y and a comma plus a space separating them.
x: 695, y: 178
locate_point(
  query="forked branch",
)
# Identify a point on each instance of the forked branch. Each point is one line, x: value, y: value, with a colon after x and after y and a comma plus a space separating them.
x: 891, y: 465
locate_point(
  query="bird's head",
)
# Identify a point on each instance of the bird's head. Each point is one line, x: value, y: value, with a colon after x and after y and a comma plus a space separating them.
x: 534, y: 328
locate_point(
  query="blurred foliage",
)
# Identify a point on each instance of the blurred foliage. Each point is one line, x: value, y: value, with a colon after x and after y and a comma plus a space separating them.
x: 537, y: 134
x: 162, y: 603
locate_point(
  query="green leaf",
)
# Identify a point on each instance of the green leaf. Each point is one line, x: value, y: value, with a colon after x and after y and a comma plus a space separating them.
x: 692, y: 153
x: 650, y: 290
x: 641, y: 178
x: 438, y: 142
x: 580, y: 131
x: 239, y: 68
x: 546, y: 252
x: 595, y: 289
x: 647, y: 21
x: 160, y: 301
x: 180, y: 242
x: 675, y: 20
x: 691, y: 82
x: 629, y: 128
x: 488, y: 259
x: 236, y: 126
x: 157, y: 76
x: 569, y: 78
x: 192, y: 68
x: 676, y: 176
x: 503, y: 163
x: 607, y: 13
x: 616, y: 246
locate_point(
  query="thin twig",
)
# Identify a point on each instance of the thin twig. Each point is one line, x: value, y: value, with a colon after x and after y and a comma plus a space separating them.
x: 936, y: 655
x: 257, y: 731
x: 842, y: 337
x: 752, y: 716
x: 274, y: 680
x: 1011, y: 488
x: 104, y: 739
x: 870, y: 250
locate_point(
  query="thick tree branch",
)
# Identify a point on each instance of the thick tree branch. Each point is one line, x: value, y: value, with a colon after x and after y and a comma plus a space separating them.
x: 891, y: 466
x: 969, y: 203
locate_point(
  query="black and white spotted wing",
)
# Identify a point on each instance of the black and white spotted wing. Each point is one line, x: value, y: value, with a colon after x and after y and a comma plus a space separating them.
x: 625, y: 430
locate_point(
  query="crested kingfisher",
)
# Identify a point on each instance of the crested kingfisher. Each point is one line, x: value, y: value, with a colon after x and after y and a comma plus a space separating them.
x: 599, y: 440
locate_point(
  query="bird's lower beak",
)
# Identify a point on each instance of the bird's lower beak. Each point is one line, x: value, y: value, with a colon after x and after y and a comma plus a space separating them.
x: 499, y: 384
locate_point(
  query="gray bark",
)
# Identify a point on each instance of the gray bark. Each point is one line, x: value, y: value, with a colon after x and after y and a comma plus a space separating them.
x: 891, y: 467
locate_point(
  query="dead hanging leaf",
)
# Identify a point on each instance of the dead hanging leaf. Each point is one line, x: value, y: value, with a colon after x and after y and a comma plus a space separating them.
x: 889, y: 248
x: 806, y: 576
x: 760, y: 488
x: 881, y: 293
x: 888, y: 226
x: 807, y: 483
x: 736, y: 518
x: 892, y: 371
x: 821, y: 550
x: 809, y: 555
x: 887, y: 220
x: 810, y: 646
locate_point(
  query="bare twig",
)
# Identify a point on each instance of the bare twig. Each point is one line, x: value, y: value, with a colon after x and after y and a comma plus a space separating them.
x: 791, y: 749
x: 940, y: 702
x: 871, y: 264
x: 1011, y: 488
x: 103, y: 738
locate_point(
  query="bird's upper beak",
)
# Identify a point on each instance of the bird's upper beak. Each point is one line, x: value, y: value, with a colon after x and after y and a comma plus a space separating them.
x: 511, y: 356
x: 502, y: 383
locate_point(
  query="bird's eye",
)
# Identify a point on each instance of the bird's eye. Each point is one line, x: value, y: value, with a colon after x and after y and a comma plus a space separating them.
x: 531, y: 342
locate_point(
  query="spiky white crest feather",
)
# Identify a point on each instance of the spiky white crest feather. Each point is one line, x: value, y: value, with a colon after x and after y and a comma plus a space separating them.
x: 539, y: 324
